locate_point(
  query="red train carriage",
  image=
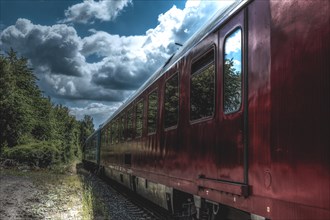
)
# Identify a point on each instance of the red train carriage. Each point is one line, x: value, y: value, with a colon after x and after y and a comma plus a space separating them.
x: 236, y: 124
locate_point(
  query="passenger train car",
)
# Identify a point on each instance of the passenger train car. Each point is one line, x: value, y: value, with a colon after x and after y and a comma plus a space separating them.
x: 236, y: 124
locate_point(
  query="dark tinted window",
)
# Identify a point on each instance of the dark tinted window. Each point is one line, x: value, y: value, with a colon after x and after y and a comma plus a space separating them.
x: 109, y: 133
x: 122, y: 128
x: 202, y: 87
x: 106, y: 136
x: 171, y: 101
x: 130, y: 130
x: 103, y: 138
x: 152, y: 112
x: 232, y: 82
x: 139, y: 118
x: 113, y: 132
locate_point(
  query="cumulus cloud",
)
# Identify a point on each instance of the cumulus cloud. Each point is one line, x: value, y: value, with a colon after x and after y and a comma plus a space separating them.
x: 59, y: 56
x: 54, y: 47
x: 90, y: 10
x: 99, y: 111
x: 127, y: 61
x: 233, y: 43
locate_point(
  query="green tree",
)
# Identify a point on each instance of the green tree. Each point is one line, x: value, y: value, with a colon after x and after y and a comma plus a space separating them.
x: 232, y: 87
x: 86, y: 128
x: 29, y: 121
x: 17, y: 95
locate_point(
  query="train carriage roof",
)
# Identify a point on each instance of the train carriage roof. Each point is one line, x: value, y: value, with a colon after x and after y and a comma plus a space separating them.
x: 213, y: 24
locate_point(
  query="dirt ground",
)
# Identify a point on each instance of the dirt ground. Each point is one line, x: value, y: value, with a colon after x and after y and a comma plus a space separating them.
x: 26, y: 194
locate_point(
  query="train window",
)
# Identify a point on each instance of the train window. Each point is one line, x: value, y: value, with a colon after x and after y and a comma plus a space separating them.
x: 171, y: 101
x: 128, y: 159
x: 109, y: 134
x: 139, y: 118
x: 122, y: 128
x: 117, y: 133
x: 152, y: 111
x: 114, y: 132
x: 129, y: 131
x: 202, y: 87
x: 232, y: 73
x: 106, y: 135
x: 118, y: 126
x: 103, y: 138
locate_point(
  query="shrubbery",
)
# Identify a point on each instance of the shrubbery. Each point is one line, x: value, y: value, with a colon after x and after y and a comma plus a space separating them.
x: 42, y: 154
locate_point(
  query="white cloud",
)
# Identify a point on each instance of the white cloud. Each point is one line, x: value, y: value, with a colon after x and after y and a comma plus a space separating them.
x: 58, y: 55
x: 99, y: 111
x: 237, y: 62
x: 233, y: 43
x: 104, y: 44
x: 94, y: 108
x: 90, y: 10
x: 54, y: 47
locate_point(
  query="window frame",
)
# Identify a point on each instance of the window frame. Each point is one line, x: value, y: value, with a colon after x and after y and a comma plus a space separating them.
x: 195, y: 60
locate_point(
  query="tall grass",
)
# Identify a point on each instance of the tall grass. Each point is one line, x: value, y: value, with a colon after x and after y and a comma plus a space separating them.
x: 93, y: 207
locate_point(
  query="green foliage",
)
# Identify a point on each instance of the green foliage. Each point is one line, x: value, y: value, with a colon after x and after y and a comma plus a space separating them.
x: 171, y: 101
x: 17, y: 94
x: 152, y: 112
x: 93, y: 207
x: 202, y: 93
x: 232, y: 87
x: 139, y: 118
x: 41, y: 154
x: 29, y: 122
x: 86, y: 128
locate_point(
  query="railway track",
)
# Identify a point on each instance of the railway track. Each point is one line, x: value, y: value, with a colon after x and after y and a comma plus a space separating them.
x: 122, y: 203
x: 140, y: 207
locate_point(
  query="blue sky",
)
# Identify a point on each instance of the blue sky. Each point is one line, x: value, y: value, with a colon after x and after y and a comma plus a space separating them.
x: 91, y: 55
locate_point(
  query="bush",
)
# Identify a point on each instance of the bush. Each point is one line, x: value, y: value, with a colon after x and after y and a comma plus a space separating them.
x: 40, y: 154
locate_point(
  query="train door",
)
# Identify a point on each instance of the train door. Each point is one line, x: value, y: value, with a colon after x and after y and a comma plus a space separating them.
x: 232, y: 111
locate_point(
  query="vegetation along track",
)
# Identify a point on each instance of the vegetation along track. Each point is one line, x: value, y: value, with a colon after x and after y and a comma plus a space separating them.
x: 127, y: 205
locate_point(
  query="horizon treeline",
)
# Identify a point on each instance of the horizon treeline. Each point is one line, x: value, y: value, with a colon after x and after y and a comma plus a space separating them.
x: 32, y: 128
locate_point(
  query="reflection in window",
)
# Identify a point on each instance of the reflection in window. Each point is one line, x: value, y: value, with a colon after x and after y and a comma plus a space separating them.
x: 139, y: 118
x: 109, y: 134
x: 152, y: 112
x: 232, y: 82
x: 122, y: 128
x: 202, y: 87
x: 106, y: 135
x: 113, y: 132
x: 130, y: 130
x: 171, y: 101
x: 102, y: 138
x: 118, y: 130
